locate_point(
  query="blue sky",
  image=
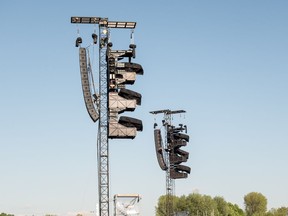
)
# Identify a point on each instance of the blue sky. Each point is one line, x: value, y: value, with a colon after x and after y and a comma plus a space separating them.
x: 224, y: 62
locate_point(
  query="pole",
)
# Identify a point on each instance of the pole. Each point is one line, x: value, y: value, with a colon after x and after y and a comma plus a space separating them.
x: 103, y: 144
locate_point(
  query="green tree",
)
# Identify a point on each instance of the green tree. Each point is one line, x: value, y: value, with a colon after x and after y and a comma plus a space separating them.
x: 222, y: 206
x: 255, y: 204
x: 234, y: 210
x: 4, y: 214
x: 283, y: 211
x: 181, y: 204
x: 201, y: 204
x: 161, y: 206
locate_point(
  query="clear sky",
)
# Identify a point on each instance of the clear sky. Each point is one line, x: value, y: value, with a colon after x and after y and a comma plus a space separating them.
x: 225, y: 62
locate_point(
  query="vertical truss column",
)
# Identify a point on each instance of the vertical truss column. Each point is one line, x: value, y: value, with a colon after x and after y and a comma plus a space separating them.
x: 102, y: 139
x: 169, y: 181
x: 102, y: 144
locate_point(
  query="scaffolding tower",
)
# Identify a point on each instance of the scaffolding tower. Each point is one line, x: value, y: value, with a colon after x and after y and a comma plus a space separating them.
x: 101, y: 111
x: 166, y: 164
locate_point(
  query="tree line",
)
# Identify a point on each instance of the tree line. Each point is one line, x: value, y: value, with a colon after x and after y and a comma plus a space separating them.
x: 204, y: 205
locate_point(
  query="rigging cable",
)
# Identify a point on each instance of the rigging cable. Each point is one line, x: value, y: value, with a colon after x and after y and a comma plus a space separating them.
x: 132, y: 41
x: 78, y: 30
x: 90, y: 72
x: 93, y: 48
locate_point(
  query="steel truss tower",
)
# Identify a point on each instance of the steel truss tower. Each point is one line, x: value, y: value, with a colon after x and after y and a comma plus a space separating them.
x: 170, y: 183
x: 102, y: 100
x: 102, y: 142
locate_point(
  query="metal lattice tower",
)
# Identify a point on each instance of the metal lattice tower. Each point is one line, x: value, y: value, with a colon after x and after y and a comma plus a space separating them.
x: 170, y: 182
x: 102, y: 142
x: 101, y: 112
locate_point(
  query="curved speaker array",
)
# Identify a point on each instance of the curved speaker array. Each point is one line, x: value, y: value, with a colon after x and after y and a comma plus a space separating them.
x: 159, y: 149
x: 86, y: 86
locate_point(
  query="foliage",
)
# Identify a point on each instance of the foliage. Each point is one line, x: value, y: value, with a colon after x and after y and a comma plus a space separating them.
x: 222, y: 206
x: 161, y: 207
x: 234, y: 210
x: 283, y: 211
x: 197, y: 204
x: 4, y: 214
x: 255, y: 204
x: 180, y: 204
x: 203, y: 205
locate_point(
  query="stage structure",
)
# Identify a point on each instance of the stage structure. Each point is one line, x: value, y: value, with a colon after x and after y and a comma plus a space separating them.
x: 126, y: 204
x: 169, y: 154
x: 112, y: 99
